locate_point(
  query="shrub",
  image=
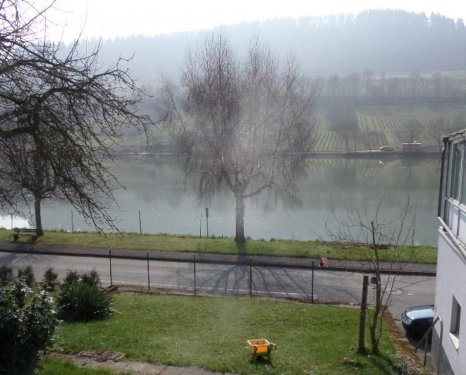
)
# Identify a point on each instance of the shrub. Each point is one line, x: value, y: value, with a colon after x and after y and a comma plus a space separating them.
x: 6, y: 275
x: 50, y: 280
x: 27, y: 274
x: 71, y: 277
x: 82, y: 299
x: 27, y: 323
x: 91, y: 278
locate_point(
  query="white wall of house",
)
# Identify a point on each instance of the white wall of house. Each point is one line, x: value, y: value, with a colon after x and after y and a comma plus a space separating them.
x: 451, y: 292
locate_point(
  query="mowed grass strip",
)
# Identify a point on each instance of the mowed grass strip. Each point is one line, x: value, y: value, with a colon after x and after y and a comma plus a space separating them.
x: 211, y: 333
x: 165, y: 242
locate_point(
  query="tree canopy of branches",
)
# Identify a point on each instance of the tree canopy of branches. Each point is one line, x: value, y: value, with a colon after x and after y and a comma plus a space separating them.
x: 243, y: 123
x: 61, y: 113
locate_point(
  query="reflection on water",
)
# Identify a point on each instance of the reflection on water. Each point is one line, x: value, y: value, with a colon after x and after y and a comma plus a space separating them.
x: 13, y: 221
x: 169, y: 204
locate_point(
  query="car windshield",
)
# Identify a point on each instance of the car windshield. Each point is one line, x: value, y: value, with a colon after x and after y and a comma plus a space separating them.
x: 421, y: 313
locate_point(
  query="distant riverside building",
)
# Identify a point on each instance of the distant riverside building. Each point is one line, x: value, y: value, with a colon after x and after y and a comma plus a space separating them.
x: 449, y: 335
x: 411, y: 146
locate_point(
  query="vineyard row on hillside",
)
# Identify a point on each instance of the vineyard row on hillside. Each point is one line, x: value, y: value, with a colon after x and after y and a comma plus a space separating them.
x: 391, y: 126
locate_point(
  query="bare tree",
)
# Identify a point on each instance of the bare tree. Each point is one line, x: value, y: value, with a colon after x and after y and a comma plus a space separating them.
x: 63, y: 107
x: 413, y: 127
x: 368, y: 76
x: 369, y: 140
x: 381, y: 239
x: 244, y: 124
x: 26, y: 176
x: 416, y: 82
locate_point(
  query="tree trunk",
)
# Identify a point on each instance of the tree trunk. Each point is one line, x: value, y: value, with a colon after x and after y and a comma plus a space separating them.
x: 362, y: 317
x: 376, y: 318
x: 239, y: 217
x: 38, y: 217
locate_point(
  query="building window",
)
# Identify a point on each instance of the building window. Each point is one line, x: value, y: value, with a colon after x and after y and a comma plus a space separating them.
x: 453, y: 189
x: 456, y: 172
x: 452, y: 195
x: 455, y: 322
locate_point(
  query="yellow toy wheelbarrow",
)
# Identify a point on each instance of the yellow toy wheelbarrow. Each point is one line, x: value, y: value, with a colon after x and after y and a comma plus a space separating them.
x: 261, y: 348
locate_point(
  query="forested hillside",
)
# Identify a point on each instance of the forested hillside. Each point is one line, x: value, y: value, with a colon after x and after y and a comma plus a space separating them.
x: 384, y: 77
x: 380, y: 41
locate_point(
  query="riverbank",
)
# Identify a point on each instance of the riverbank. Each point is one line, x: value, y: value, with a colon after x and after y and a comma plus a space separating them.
x: 315, y: 249
x: 361, y: 154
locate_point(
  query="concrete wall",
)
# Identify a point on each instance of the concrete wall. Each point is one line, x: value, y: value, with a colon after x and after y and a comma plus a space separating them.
x: 445, y: 368
x: 451, y: 283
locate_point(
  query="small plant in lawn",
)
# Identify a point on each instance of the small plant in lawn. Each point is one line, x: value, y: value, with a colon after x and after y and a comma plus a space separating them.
x: 82, y: 299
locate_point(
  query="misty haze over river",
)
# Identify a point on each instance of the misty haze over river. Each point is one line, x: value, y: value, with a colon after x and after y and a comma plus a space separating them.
x: 168, y: 204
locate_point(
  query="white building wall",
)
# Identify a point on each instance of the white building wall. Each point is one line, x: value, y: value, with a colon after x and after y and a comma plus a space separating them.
x: 451, y: 282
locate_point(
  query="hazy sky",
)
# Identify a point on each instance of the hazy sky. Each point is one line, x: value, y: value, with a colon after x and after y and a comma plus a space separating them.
x: 110, y: 18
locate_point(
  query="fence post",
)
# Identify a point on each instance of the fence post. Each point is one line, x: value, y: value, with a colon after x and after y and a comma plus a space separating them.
x: 72, y: 222
x: 200, y: 227
x: 312, y: 282
x: 250, y: 278
x: 140, y: 224
x: 148, y: 274
x: 195, y: 286
x: 110, y: 258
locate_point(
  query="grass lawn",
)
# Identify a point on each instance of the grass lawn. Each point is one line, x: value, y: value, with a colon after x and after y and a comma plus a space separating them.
x: 211, y: 333
x: 161, y: 242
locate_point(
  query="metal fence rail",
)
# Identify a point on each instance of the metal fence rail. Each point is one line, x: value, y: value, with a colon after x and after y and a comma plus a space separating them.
x: 197, y: 276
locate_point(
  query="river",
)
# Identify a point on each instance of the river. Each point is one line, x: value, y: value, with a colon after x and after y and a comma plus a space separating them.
x: 156, y: 190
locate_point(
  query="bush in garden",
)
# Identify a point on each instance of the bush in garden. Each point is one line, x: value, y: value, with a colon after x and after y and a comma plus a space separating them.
x: 71, y: 277
x: 27, y: 274
x: 27, y: 323
x: 91, y: 278
x: 82, y: 299
x: 50, y: 280
x: 6, y: 275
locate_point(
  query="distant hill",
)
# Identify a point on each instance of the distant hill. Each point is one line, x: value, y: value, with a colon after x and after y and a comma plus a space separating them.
x: 381, y: 41
x: 385, y: 76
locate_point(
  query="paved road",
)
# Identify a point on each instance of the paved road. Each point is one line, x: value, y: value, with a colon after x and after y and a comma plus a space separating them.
x: 341, y: 287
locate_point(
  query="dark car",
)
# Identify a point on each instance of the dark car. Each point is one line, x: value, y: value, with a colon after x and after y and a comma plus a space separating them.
x: 416, y: 320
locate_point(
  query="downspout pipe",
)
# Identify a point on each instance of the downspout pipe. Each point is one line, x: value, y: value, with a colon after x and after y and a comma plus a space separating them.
x: 442, y: 169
